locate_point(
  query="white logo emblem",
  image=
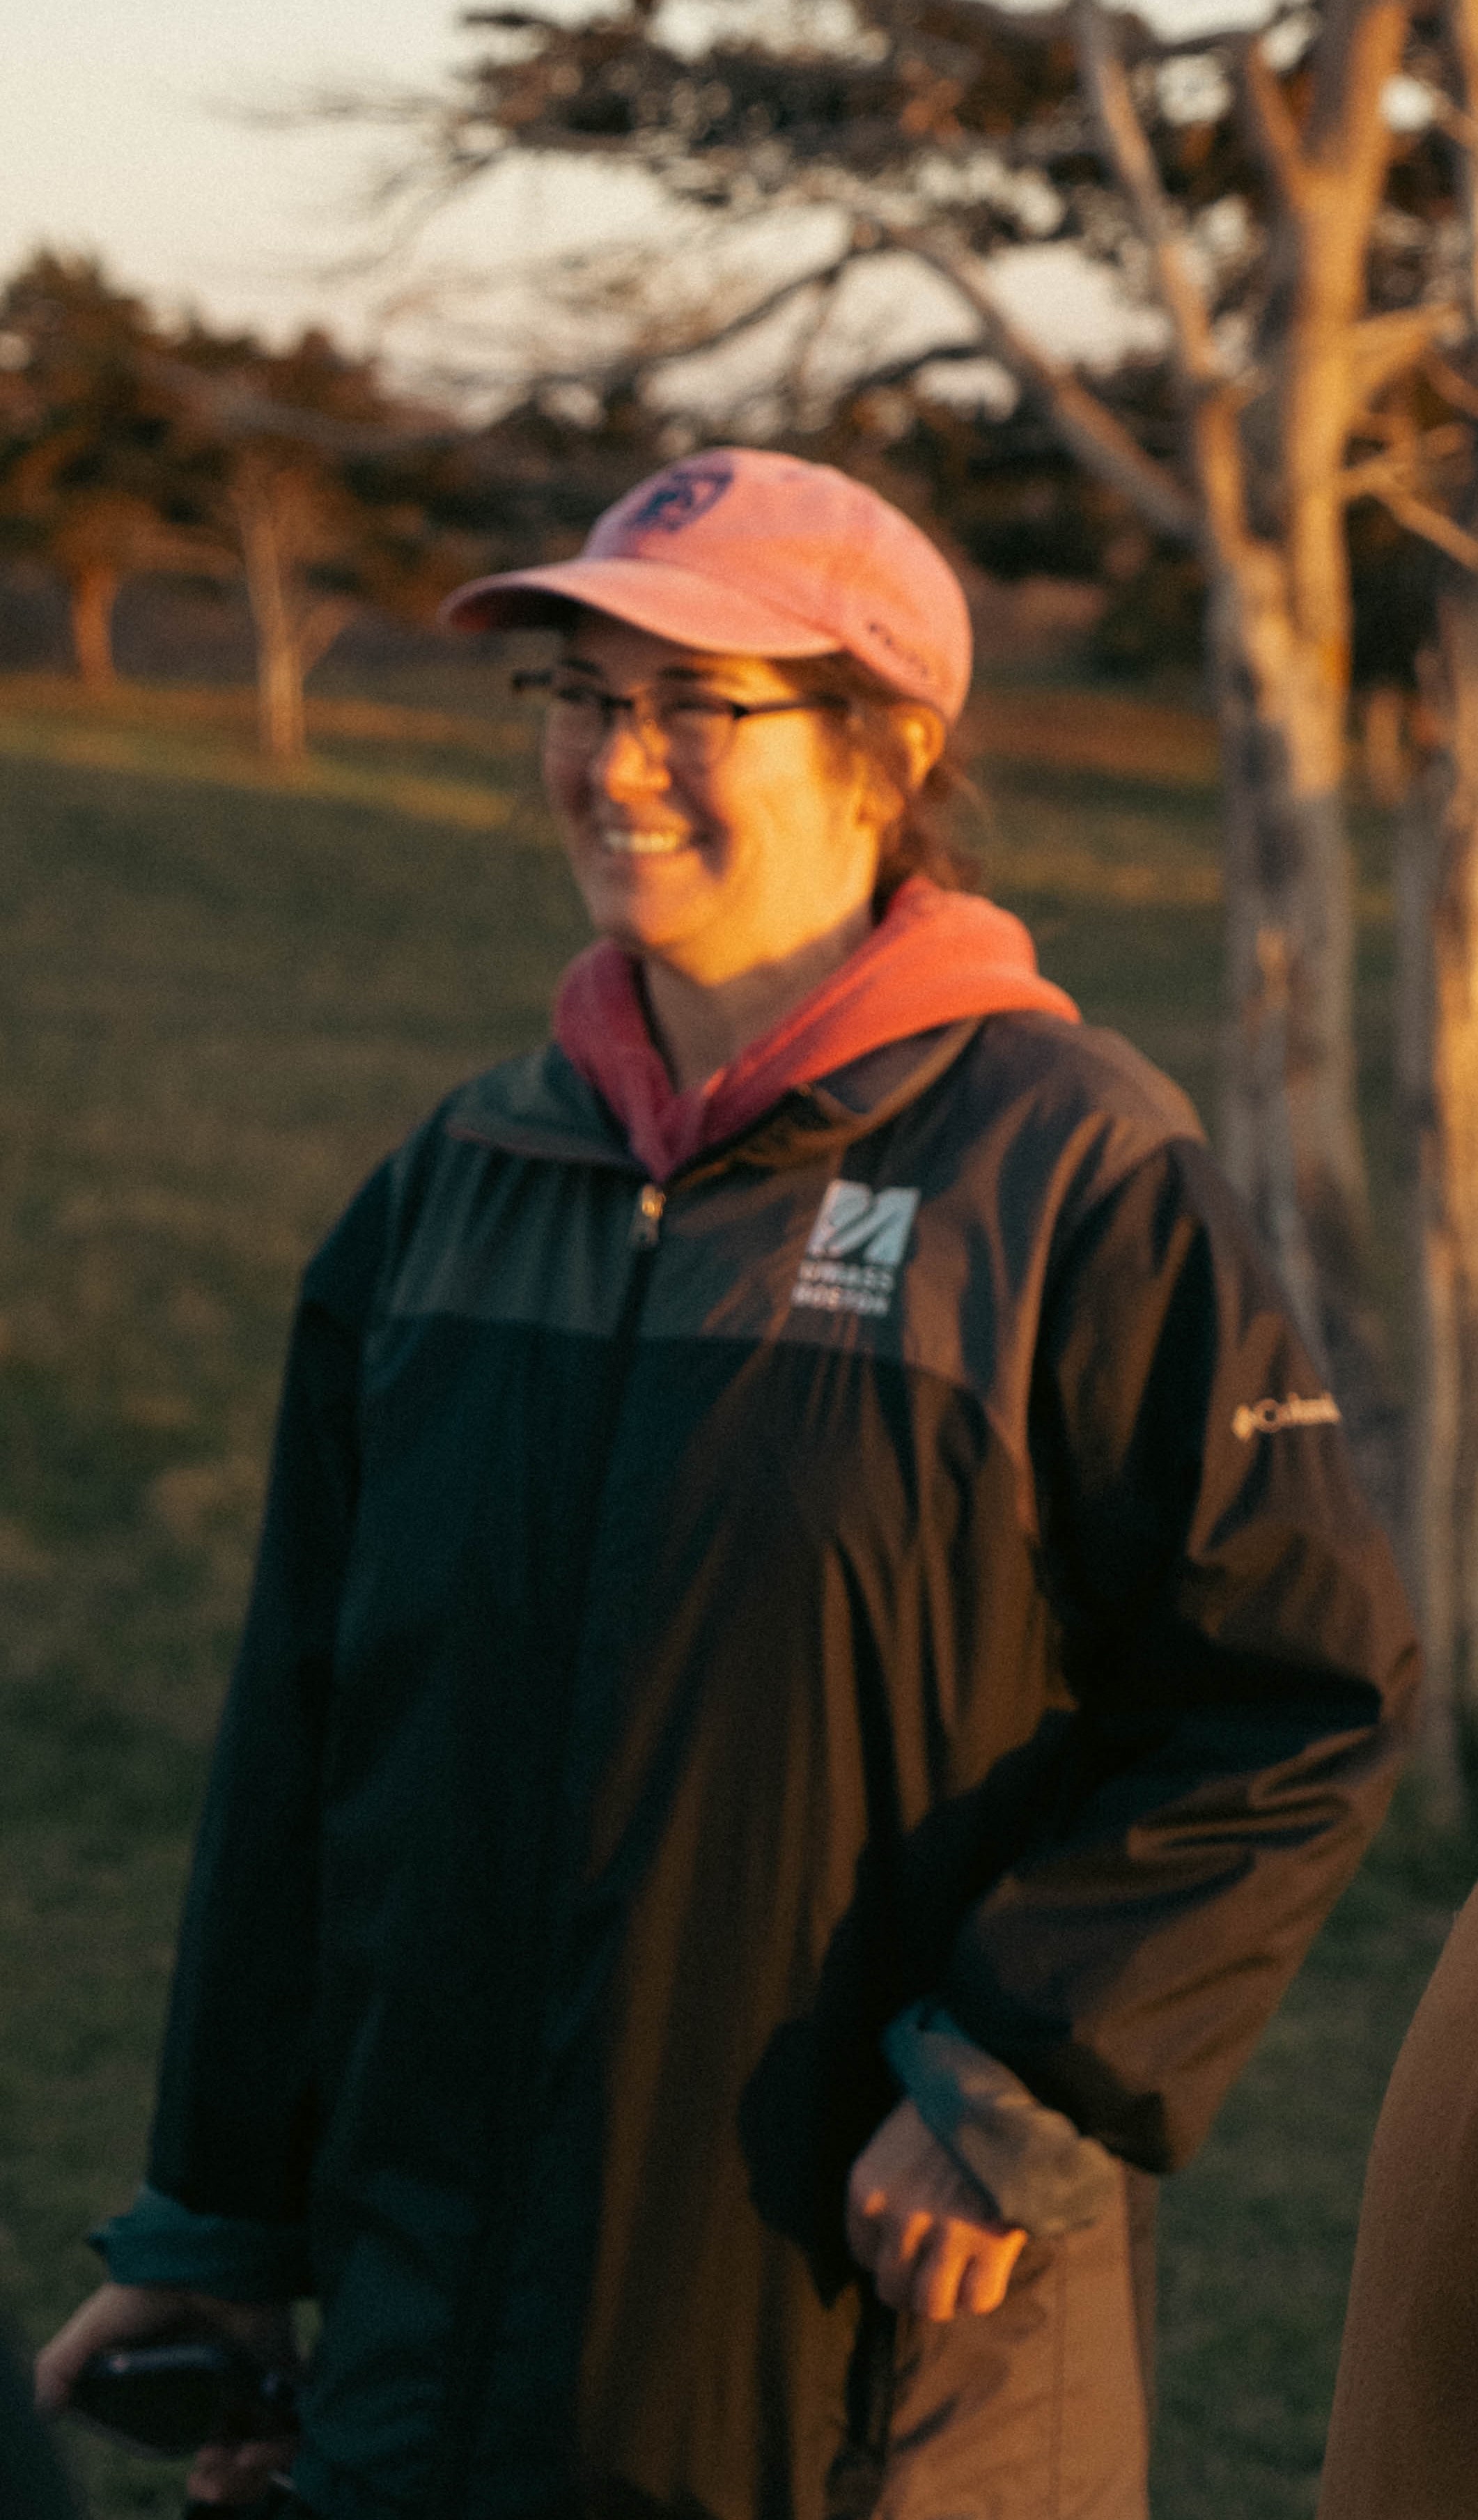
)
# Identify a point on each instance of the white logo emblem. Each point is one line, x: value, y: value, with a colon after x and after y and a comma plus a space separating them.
x: 1270, y: 1416
x: 856, y: 1248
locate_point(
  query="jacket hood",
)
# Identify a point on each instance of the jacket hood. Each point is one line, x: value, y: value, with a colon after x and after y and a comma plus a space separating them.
x: 935, y: 958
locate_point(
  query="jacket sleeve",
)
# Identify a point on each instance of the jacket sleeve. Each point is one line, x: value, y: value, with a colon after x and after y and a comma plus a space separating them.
x: 235, y: 2126
x: 1240, y: 1657
x: 1033, y: 2166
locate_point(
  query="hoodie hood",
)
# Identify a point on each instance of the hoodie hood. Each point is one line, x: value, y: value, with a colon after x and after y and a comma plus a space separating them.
x: 935, y: 958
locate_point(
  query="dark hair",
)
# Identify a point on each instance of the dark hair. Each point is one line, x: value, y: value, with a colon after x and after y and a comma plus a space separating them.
x: 917, y: 839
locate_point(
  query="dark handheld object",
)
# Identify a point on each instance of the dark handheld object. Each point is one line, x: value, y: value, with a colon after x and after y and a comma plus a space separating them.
x: 175, y: 2398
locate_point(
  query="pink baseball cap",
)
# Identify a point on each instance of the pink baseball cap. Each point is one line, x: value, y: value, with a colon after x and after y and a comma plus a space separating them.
x: 755, y: 553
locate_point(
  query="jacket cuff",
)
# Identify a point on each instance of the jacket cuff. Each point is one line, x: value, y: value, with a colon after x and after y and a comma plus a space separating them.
x: 159, y: 2241
x: 1038, y: 2170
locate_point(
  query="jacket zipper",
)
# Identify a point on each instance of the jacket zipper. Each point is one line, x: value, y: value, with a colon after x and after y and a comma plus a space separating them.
x: 479, y: 2304
x: 647, y: 1223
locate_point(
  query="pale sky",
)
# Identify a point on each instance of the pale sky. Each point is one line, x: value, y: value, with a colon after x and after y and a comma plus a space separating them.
x: 118, y: 139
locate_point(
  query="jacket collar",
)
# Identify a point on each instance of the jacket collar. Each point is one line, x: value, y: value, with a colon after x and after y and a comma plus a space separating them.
x: 540, y: 1105
x: 935, y: 958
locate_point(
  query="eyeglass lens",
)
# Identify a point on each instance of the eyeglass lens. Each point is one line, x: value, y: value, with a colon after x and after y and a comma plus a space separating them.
x: 691, y: 731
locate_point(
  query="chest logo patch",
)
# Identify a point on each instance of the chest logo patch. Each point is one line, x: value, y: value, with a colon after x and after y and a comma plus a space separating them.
x: 855, y: 1249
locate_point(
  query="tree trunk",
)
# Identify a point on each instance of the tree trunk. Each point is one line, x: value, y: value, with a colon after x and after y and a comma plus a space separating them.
x: 1438, y: 943
x: 1270, y: 472
x: 1289, y: 1124
x: 281, y: 717
x: 93, y: 592
x: 270, y: 591
x: 1383, y: 744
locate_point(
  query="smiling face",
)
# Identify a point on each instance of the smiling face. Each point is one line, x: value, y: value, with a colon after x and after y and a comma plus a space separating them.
x: 716, y: 873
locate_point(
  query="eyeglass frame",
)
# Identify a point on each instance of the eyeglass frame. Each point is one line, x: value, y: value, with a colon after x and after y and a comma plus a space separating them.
x: 643, y: 715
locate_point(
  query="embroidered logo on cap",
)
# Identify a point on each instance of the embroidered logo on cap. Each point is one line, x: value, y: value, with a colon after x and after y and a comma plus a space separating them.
x: 907, y: 655
x: 680, y: 498
x: 855, y: 1249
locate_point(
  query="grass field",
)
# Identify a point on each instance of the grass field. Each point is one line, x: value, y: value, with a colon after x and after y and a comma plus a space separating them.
x: 224, y: 996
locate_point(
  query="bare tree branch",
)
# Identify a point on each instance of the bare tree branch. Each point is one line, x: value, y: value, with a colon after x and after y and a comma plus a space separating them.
x: 1084, y: 422
x: 1430, y: 524
x: 801, y: 362
x: 1133, y: 161
x: 1453, y: 387
x: 1359, y: 52
x: 1384, y: 344
x: 1401, y: 466
x: 638, y: 362
x: 1212, y: 400
x: 821, y: 277
x: 1269, y: 123
x: 904, y: 371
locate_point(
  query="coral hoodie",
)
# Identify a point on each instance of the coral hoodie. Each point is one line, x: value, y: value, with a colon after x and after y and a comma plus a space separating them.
x: 935, y: 958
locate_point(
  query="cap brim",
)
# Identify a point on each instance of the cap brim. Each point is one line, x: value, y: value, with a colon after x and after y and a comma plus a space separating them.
x: 671, y: 602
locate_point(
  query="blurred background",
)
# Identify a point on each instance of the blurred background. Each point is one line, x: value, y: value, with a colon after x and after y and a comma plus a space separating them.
x: 1162, y: 323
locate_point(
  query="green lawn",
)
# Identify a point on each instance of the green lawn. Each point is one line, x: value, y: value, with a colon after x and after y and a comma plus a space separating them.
x: 223, y: 999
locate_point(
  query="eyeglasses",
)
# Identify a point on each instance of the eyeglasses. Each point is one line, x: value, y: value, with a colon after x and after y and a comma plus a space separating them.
x: 693, y: 729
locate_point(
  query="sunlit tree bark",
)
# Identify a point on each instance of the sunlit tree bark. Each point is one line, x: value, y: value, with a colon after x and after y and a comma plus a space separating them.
x: 93, y: 592
x: 282, y: 526
x: 1263, y: 493
x: 1280, y: 634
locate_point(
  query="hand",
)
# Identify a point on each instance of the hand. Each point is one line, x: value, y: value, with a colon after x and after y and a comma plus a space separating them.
x: 132, y: 2314
x: 921, y: 2228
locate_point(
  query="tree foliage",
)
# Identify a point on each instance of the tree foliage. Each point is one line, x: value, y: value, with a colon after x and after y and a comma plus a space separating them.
x: 937, y: 127
x: 131, y: 447
x: 931, y: 122
x: 91, y: 471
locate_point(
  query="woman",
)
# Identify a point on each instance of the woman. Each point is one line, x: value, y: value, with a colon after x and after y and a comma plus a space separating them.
x: 815, y: 1663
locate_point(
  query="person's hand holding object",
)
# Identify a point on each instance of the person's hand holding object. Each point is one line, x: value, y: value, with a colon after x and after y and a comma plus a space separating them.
x: 119, y: 2315
x: 920, y: 2226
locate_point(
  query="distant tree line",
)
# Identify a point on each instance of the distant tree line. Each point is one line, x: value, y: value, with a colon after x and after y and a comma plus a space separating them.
x: 133, y: 448
x: 130, y: 448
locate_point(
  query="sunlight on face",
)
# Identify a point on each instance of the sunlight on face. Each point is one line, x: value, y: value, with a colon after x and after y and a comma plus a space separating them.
x: 718, y: 872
